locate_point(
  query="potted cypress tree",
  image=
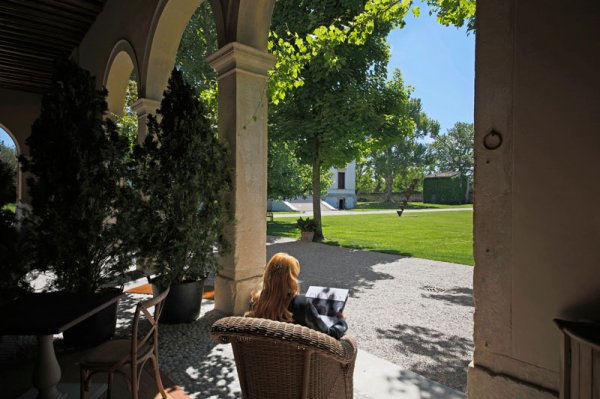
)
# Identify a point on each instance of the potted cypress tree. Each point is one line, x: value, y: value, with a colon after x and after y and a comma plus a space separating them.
x: 183, y: 180
x: 77, y: 162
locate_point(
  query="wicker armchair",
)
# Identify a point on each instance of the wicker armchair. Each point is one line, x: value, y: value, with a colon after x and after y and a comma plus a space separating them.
x: 277, y: 360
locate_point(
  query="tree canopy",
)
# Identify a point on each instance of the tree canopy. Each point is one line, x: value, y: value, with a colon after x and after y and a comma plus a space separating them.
x: 453, y: 151
x: 327, y: 117
x: 395, y: 151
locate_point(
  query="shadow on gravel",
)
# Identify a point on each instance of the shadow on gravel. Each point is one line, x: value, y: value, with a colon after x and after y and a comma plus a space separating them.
x: 462, y: 296
x: 329, y: 266
x: 448, y: 356
x: 198, y: 364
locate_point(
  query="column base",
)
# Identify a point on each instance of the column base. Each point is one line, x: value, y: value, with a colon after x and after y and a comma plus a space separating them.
x: 485, y: 384
x: 233, y: 296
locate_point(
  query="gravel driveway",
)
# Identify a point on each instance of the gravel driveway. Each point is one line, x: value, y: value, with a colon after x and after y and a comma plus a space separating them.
x: 416, y: 313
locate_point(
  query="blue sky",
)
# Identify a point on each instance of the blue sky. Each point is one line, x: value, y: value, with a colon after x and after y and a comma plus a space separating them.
x: 439, y: 62
x: 6, y: 138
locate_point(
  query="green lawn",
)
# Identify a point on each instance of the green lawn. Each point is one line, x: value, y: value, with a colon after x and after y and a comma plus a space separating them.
x: 361, y: 206
x: 10, y: 207
x: 445, y: 236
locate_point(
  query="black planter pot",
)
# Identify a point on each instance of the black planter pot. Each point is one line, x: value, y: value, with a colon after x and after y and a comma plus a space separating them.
x: 94, y: 330
x: 183, y: 302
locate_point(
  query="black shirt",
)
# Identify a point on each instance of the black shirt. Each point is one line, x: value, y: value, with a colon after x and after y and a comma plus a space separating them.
x: 305, y: 314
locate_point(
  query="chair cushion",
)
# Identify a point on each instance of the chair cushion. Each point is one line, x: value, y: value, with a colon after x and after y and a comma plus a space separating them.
x: 108, y: 353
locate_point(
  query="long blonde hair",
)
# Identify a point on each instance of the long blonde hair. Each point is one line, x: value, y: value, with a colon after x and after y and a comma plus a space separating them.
x: 279, y: 286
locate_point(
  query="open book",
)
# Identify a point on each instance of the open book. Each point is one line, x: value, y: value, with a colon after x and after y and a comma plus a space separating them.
x: 328, y: 301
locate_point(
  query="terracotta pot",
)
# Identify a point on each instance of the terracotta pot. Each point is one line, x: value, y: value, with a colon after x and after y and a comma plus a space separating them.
x: 307, y: 235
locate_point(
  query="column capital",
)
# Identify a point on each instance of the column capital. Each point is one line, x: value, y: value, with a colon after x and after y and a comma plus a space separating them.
x: 144, y: 106
x: 239, y: 57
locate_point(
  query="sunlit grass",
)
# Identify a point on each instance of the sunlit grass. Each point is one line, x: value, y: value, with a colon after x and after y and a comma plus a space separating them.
x: 444, y: 236
x: 362, y: 206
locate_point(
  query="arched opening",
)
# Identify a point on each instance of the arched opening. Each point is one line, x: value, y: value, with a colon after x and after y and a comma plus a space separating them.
x: 11, y: 173
x: 169, y: 24
x: 121, y: 69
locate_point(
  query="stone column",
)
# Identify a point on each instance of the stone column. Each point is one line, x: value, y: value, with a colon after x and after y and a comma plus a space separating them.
x: 144, y: 107
x: 243, y: 126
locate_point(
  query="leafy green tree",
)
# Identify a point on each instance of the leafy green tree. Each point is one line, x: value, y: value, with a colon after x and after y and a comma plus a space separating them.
x: 8, y: 188
x: 366, y: 179
x: 9, y: 156
x: 128, y: 123
x: 327, y: 117
x: 287, y: 177
x: 77, y: 161
x: 453, y: 12
x: 199, y: 40
x: 453, y: 151
x: 8, y: 174
x: 396, y: 150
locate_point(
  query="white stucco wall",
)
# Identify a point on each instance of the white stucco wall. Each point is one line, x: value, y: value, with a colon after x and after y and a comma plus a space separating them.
x: 334, y: 194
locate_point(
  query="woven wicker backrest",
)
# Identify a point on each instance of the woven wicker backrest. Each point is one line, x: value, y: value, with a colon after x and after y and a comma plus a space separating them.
x: 278, y: 360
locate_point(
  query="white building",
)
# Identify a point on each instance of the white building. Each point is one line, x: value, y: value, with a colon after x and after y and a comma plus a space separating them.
x: 340, y: 195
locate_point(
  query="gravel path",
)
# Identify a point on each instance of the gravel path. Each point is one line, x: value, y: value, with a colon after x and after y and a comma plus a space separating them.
x: 416, y: 313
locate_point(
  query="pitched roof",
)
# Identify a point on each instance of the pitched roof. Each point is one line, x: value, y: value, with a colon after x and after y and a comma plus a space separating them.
x: 442, y: 174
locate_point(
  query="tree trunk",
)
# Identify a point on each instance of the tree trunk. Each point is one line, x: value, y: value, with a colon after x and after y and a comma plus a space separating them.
x: 316, y: 191
x: 389, y: 180
x: 467, y: 188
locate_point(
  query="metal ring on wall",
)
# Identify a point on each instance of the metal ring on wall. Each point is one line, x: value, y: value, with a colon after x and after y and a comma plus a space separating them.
x: 492, y: 140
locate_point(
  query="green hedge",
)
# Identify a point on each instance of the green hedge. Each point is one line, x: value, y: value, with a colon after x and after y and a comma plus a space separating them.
x: 445, y: 190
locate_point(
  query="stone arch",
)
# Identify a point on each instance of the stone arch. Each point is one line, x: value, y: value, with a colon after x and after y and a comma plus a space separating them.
x: 252, y: 29
x: 121, y: 63
x: 18, y: 148
x: 169, y: 22
x: 172, y: 17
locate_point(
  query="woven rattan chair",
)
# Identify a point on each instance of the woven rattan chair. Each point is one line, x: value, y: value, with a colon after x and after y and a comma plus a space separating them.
x: 128, y: 356
x: 277, y: 360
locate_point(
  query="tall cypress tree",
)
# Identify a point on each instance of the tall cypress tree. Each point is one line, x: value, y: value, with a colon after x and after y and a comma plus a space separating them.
x: 184, y: 178
x: 77, y: 160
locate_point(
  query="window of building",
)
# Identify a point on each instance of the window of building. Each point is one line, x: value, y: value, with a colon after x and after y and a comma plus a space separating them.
x: 341, y: 180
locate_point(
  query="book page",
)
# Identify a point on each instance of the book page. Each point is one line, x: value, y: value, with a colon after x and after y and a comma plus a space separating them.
x: 327, y: 300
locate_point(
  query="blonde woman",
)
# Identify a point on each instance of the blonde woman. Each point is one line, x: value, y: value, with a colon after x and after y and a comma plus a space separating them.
x: 280, y: 299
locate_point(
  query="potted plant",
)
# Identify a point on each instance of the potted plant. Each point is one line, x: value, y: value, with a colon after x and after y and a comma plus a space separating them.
x: 77, y: 161
x: 307, y: 228
x: 183, y: 179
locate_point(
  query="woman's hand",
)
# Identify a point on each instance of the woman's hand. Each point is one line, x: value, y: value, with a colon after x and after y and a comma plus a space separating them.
x: 341, y: 316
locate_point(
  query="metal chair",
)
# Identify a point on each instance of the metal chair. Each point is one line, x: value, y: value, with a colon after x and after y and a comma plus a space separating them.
x: 122, y: 355
x: 277, y: 360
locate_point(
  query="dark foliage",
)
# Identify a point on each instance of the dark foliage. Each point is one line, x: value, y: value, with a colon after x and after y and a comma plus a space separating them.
x: 184, y: 180
x: 77, y: 159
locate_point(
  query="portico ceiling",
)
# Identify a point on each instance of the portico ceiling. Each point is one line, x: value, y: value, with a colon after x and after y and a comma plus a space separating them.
x: 34, y: 32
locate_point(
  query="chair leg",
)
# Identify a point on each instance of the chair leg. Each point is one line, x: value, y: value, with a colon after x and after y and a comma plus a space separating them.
x: 109, y: 389
x: 157, y: 378
x: 135, y: 385
x: 82, y: 382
